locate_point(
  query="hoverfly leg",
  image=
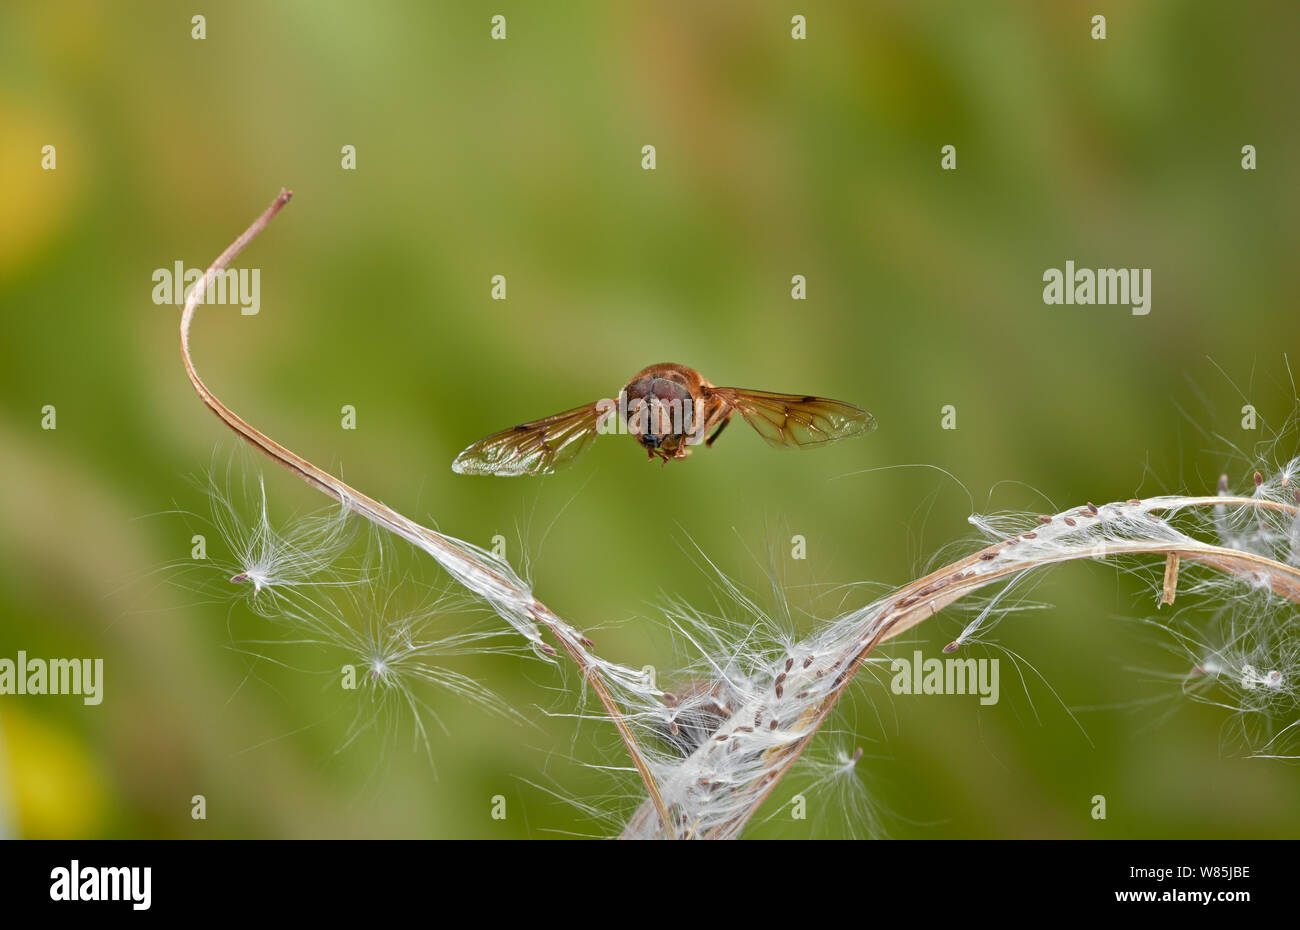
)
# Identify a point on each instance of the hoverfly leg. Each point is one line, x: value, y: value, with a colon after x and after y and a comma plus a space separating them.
x: 718, y: 432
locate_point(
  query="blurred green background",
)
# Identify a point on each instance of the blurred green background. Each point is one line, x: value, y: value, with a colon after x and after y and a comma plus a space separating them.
x: 523, y: 158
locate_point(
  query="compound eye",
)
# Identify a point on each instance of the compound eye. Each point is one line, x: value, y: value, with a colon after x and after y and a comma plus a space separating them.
x: 638, y: 390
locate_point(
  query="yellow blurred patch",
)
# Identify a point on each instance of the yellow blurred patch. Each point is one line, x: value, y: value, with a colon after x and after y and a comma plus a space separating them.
x: 49, y: 780
x: 36, y: 201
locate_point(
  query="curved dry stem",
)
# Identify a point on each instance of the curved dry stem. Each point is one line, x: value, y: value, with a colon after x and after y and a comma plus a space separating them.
x: 494, y: 580
x: 500, y: 586
x: 926, y: 596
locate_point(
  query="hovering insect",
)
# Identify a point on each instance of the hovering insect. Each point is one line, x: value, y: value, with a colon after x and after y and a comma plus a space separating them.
x: 668, y: 409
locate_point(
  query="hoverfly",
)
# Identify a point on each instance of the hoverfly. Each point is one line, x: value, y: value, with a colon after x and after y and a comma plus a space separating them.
x: 668, y: 409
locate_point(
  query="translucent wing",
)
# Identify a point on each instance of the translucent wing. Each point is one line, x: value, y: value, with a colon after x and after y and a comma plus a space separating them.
x: 536, y: 448
x: 792, y: 420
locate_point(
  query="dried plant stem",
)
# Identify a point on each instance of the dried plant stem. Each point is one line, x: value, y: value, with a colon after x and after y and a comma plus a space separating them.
x: 804, y: 697
x: 503, y: 590
x: 925, y: 597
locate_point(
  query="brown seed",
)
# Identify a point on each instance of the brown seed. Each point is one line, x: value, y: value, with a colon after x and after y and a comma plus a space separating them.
x: 1134, y: 500
x: 779, y: 692
x: 1259, y: 479
x: 789, y: 663
x: 1043, y: 518
x: 807, y: 662
x: 772, y: 725
x: 986, y: 556
x: 1030, y: 535
x: 1069, y: 521
x: 1171, y: 579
